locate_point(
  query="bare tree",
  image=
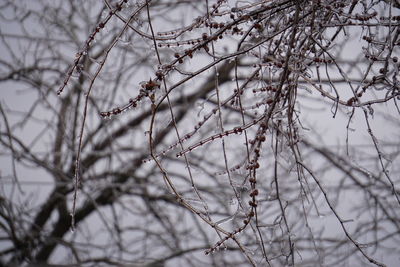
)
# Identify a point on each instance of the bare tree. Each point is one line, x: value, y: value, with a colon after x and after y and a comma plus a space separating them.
x: 197, y: 133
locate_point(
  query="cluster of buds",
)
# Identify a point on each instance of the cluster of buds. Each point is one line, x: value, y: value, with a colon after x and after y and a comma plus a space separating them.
x: 268, y: 88
x: 150, y: 85
x: 253, y: 165
x: 365, y: 17
x: 322, y: 60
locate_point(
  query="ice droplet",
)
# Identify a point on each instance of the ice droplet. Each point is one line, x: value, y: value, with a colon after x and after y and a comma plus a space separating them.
x: 72, y: 228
